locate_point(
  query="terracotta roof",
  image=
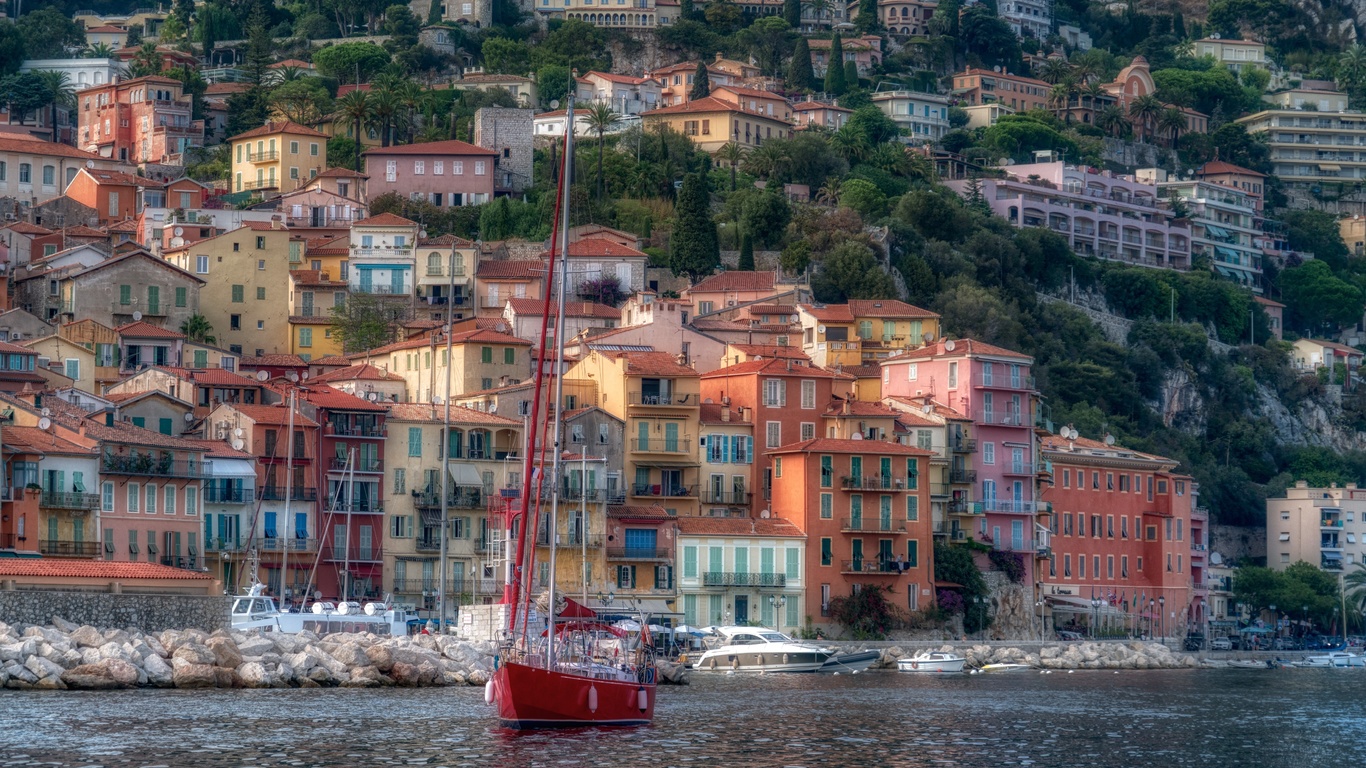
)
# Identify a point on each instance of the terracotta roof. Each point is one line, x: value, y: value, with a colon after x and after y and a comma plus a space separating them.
x: 1336, y: 347
x: 628, y: 510
x: 142, y: 329
x: 217, y: 449
x: 533, y: 308
x: 918, y: 403
x: 287, y: 361
x: 718, y: 324
x: 1267, y: 302
x: 385, y: 220
x: 331, y: 360
x: 809, y: 106
x: 40, y: 147
x: 510, y: 269
x: 836, y: 445
x: 282, y: 126
x: 773, y: 367
x: 460, y: 337
x: 1058, y: 444
x: 107, y: 28
x: 337, y: 400
x: 122, y: 432
x: 735, y: 280
x: 135, y: 253
x: 272, y: 415
x: 444, y: 240
x: 1219, y: 166
x: 360, y: 372
x: 961, y: 347
x: 314, y: 320
x: 34, y: 440
x: 754, y: 92
x: 849, y: 44
x: 102, y: 570
x: 118, y: 177
x: 341, y: 173
x: 859, y: 408
x: 449, y: 147
x: 127, y: 225
x: 328, y: 246
x: 770, y: 350
x: 81, y: 230
x: 599, y: 247
x: 626, y: 79
x: 738, y: 526
x: 833, y: 313
x: 709, y: 104
x: 887, y: 308
x: 313, y: 278
x: 650, y: 363
x: 710, y: 413
x: 25, y: 228
x: 217, y: 377
x: 459, y: 415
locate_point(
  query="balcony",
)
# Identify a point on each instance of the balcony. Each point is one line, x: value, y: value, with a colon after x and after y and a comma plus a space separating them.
x: 462, y: 498
x: 640, y: 554
x: 392, y: 251
x: 361, y: 465
x: 282, y: 544
x: 420, y: 585
x: 729, y: 498
x: 427, y: 544
x: 151, y: 466
x: 60, y: 548
x: 355, y: 554
x: 963, y: 445
x: 214, y: 494
x: 677, y: 445
x: 868, y: 567
x: 872, y: 525
x: 572, y: 540
x: 354, y: 430
x: 358, y: 507
x: 961, y: 507
x: 190, y: 563
x: 65, y: 500
x: 217, y: 544
x: 1002, y: 419
x: 484, y: 545
x: 1009, y: 507
x: 1326, y: 522
x: 277, y: 493
x: 669, y: 491
x: 939, y: 491
x: 1006, y: 382
x: 960, y: 476
x: 735, y: 579
x: 873, y: 483
x: 662, y: 398
x: 265, y: 155
x: 1018, y: 468
x: 1333, y: 564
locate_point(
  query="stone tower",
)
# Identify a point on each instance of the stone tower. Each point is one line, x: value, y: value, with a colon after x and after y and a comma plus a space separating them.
x: 509, y: 132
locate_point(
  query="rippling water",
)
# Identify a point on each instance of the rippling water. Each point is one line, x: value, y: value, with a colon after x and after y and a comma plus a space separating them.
x: 1268, y: 719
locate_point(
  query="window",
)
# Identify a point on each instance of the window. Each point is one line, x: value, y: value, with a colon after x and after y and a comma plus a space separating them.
x: 107, y: 497
x: 438, y: 167
x: 201, y: 265
x: 134, y: 498
x: 191, y: 501
x: 49, y: 175
x: 73, y: 368
x: 479, y: 167
x: 391, y: 170
x: 400, y: 481
x: 238, y: 294
x: 808, y: 430
x: 458, y: 167
x: 25, y: 173
x: 261, y: 294
x: 509, y: 356
x: 808, y: 395
x: 912, y: 508
x: 775, y: 393
x: 988, y: 453
x: 306, y: 338
x: 827, y: 506
x: 826, y: 556
x: 313, y: 148
x: 235, y: 324
x: 912, y: 372
x: 181, y: 297
x: 778, y: 466
x: 774, y: 434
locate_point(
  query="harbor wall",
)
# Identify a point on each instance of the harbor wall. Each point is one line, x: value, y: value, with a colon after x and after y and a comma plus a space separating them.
x: 149, y: 613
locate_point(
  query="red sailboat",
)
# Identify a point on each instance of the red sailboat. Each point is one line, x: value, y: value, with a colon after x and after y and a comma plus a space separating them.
x: 577, y: 671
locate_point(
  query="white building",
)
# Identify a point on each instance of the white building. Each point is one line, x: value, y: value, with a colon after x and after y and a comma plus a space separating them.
x: 382, y: 257
x: 1028, y: 18
x: 1223, y: 227
x: 625, y: 94
x: 1322, y: 526
x: 80, y: 73
x: 926, y: 115
x: 551, y: 124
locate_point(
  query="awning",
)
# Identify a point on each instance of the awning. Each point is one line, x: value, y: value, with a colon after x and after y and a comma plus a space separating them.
x: 627, y: 608
x: 466, y: 475
x: 1331, y: 555
x: 1329, y: 167
x: 1216, y: 231
x: 431, y: 518
x: 1228, y: 254
x: 232, y: 468
x: 1225, y: 271
x: 1082, y: 605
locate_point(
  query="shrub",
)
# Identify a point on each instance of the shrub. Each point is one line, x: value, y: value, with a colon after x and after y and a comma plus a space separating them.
x: 1009, y: 563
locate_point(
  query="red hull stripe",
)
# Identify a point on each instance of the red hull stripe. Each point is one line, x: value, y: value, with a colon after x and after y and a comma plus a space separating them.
x: 528, y: 697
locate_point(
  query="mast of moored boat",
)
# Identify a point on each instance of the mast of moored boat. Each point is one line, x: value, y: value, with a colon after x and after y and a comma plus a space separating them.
x: 289, y: 488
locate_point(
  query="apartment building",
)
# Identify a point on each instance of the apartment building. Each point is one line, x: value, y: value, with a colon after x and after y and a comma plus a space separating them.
x: 37, y: 171
x: 925, y: 115
x: 738, y: 571
x: 444, y: 173
x: 280, y: 156
x: 711, y: 123
x: 142, y: 120
x: 974, y: 86
x: 1325, y: 527
x: 863, y: 332
x: 1309, y: 148
x: 1224, y: 227
x: 625, y: 94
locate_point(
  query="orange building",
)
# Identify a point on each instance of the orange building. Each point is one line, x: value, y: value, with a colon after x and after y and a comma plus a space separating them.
x: 865, y: 513
x: 143, y: 120
x: 982, y: 86
x: 730, y: 288
x: 1119, y: 556
x: 115, y: 196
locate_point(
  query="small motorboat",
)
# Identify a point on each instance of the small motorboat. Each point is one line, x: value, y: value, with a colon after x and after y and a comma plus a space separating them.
x: 1334, y: 659
x: 756, y: 649
x: 931, y: 662
x: 1005, y: 667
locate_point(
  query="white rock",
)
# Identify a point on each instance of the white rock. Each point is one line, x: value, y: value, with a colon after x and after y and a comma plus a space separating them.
x: 195, y: 654
x: 159, y: 673
x: 255, y: 646
x: 42, y: 667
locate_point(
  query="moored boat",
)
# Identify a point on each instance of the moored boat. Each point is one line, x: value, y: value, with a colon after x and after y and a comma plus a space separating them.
x: 755, y: 649
x: 931, y: 662
x: 1005, y: 667
x: 1340, y: 659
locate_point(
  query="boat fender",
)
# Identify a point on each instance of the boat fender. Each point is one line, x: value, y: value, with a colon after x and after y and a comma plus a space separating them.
x: 488, y: 692
x: 713, y: 663
x: 642, y: 699
x: 734, y: 662
x: 592, y: 698
x: 761, y: 660
x: 784, y: 658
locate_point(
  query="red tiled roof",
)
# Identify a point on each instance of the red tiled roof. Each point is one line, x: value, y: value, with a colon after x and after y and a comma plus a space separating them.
x: 650, y: 363
x: 1267, y: 302
x: 599, y: 247
x: 34, y: 440
x: 770, y: 350
x: 738, y: 526
x: 459, y: 414
x: 142, y: 329
x: 315, y: 320
x: 510, y: 269
x: 102, y: 570
x: 836, y: 445
x: 217, y: 377
x: 127, y: 225
x: 534, y: 307
x: 313, y: 277
x: 328, y: 246
x: 1056, y: 443
x: 460, y: 337
x: 753, y: 92
x: 337, y: 400
x: 859, y: 408
x: 626, y: 79
x: 272, y: 415
x: 40, y: 147
x: 1214, y: 167
x: 360, y: 372
x: 811, y: 106
x: 331, y: 360
x: 444, y: 240
x: 449, y: 147
x: 653, y: 511
x: 773, y: 367
x: 961, y: 347
x: 341, y: 173
x: 118, y: 177
x: 81, y: 230
x: 735, y: 280
x: 709, y: 104
x: 385, y: 220
x: 282, y: 126
x: 264, y: 361
x: 25, y: 228
x: 887, y: 308
x: 717, y: 324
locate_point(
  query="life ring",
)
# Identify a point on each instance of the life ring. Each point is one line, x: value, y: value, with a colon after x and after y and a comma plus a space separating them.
x: 915, y: 665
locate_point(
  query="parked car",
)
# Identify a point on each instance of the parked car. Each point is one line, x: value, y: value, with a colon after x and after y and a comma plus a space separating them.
x: 1193, y: 642
x: 1221, y: 644
x: 1065, y: 635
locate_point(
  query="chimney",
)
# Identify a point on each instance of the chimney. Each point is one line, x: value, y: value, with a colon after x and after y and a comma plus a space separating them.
x: 725, y: 413
x: 845, y: 408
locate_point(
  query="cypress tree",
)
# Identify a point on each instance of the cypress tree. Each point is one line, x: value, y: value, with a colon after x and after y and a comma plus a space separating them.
x: 701, y: 82
x: 834, y: 69
x: 800, y: 77
x: 693, y: 248
x: 746, y: 253
x: 850, y: 75
x: 685, y: 9
x: 1179, y: 25
x: 792, y: 13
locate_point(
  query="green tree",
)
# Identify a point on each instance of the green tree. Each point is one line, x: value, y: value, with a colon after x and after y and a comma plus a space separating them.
x: 22, y: 94
x: 864, y: 197
x: 147, y: 61
x: 553, y: 82
x: 730, y: 153
x: 955, y: 565
x: 213, y: 23
x: 800, y: 76
x: 1317, y: 300
x: 851, y: 80
x: 575, y: 43
x: 365, y: 321
x: 50, y: 34
x: 11, y: 48
x: 693, y: 247
x: 865, y: 614
x: 746, y: 263
x: 601, y: 118
x: 769, y: 40
x: 305, y: 101
x: 701, y: 82
x: 792, y: 13
x: 59, y: 94
x: 1172, y: 121
x: 835, y: 84
x: 351, y: 62
x: 401, y: 26
x: 506, y: 57
x: 851, y: 271
x: 867, y: 19
x: 198, y: 329
x: 984, y: 34
x: 795, y: 257
x: 355, y: 107
x: 762, y: 214
x: 723, y: 16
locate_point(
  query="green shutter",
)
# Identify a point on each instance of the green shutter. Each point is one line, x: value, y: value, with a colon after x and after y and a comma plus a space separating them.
x: 690, y: 562
x: 165, y: 426
x: 913, y: 553
x: 181, y: 297
x: 509, y: 356
x: 486, y: 354
x: 125, y: 295
x: 201, y: 358
x: 415, y: 441
x: 154, y: 299
x: 138, y: 421
x: 237, y: 294
x: 793, y: 563
x: 305, y: 337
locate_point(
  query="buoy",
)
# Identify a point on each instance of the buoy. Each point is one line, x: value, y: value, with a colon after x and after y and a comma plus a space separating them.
x: 642, y: 699
x: 592, y: 698
x: 1070, y: 671
x: 488, y: 692
x: 735, y: 662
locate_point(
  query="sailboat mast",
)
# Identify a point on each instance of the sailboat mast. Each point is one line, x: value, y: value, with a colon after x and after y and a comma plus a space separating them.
x: 557, y: 362
x: 350, y: 507
x: 583, y: 520
x: 289, y: 488
x: 444, y: 452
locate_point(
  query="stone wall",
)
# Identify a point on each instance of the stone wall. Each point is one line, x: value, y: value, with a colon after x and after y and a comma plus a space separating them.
x: 509, y: 132
x: 149, y: 613
x: 482, y: 623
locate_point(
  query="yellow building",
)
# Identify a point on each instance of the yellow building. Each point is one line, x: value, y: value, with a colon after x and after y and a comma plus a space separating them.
x: 277, y: 157
x: 477, y: 469
x: 580, y: 558
x: 659, y: 400
x: 482, y: 360
x: 711, y: 123
x: 312, y: 295
x: 863, y: 332
x: 246, y: 282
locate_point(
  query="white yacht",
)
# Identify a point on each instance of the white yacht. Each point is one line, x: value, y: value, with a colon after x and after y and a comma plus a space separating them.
x: 1335, y: 659
x: 255, y: 610
x: 931, y: 662
x: 755, y: 649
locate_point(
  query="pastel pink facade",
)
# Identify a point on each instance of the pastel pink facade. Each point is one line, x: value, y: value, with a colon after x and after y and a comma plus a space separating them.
x: 444, y: 173
x: 994, y: 387
x: 1101, y: 214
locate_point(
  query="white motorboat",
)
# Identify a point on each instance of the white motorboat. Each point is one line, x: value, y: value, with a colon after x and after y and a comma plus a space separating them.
x: 931, y: 661
x: 1334, y: 659
x: 255, y: 610
x: 755, y: 649
x: 1005, y: 667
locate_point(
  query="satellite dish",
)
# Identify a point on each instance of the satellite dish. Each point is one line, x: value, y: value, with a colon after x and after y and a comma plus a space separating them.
x: 179, y: 231
x: 820, y: 329
x: 89, y: 163
x: 189, y: 417
x: 927, y: 408
x: 237, y: 443
x: 238, y: 432
x: 306, y: 375
x: 262, y: 375
x: 292, y: 376
x: 928, y: 337
x: 372, y: 396
x: 554, y: 103
x: 1071, y: 433
x: 47, y: 412
x: 1215, y: 558
x: 1109, y: 439
x: 136, y: 315
x: 949, y: 346
x: 501, y: 327
x: 857, y: 436
x: 44, y: 423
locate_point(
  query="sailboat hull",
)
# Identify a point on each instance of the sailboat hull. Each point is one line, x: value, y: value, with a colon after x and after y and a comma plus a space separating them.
x: 530, y: 697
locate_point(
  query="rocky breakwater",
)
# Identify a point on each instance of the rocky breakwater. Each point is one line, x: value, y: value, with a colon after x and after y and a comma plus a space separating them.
x: 1134, y: 655
x: 65, y: 655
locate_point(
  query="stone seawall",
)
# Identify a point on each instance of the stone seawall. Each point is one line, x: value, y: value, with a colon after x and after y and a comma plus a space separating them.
x: 151, y: 613
x: 1084, y: 655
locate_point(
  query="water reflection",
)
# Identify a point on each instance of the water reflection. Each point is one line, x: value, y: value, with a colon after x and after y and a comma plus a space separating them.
x: 1272, y: 719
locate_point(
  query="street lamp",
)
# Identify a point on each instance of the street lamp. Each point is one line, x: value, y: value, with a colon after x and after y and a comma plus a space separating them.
x: 1162, y: 606
x: 777, y: 604
x: 1304, y: 609
x: 1095, y: 614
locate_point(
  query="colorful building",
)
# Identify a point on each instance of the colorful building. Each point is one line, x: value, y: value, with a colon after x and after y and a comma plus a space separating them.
x: 142, y: 120
x: 277, y: 157
x: 738, y: 571
x: 444, y: 173
x: 863, y: 332
x: 711, y: 123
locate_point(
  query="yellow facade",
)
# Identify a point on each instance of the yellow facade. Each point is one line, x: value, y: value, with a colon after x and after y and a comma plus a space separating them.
x: 312, y: 338
x: 69, y: 357
x: 580, y: 554
x: 246, y: 285
x: 712, y: 123
x: 279, y: 157
x: 482, y: 360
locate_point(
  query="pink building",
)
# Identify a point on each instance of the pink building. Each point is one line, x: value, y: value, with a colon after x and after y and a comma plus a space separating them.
x: 818, y: 113
x: 994, y: 387
x: 444, y: 173
x: 143, y: 120
x: 1099, y: 213
x: 865, y: 52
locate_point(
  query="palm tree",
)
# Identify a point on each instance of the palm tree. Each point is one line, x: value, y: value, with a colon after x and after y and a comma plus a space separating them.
x: 829, y: 193
x: 1354, y: 585
x: 412, y: 97
x: 853, y: 145
x: 1352, y: 67
x: 1145, y: 110
x: 355, y: 106
x: 147, y: 61
x: 198, y: 329
x: 1112, y: 121
x: 288, y: 74
x: 59, y: 94
x: 99, y: 51
x: 601, y: 117
x: 1054, y: 70
x: 766, y: 160
x: 730, y: 153
x: 818, y: 8
x: 892, y: 158
x: 384, y: 107
x: 645, y: 178
x: 1172, y: 120
x: 919, y: 167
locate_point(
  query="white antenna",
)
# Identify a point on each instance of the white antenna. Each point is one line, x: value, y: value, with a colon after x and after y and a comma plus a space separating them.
x: 262, y: 375
x: 292, y: 376
x: 1109, y: 439
x: 47, y: 412
x: 189, y: 416
x: 927, y: 408
x: 238, y: 432
x: 949, y: 346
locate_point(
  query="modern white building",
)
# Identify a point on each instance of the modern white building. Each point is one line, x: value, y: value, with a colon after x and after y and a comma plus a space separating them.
x: 1028, y: 18
x: 926, y: 115
x: 1223, y: 227
x: 80, y: 73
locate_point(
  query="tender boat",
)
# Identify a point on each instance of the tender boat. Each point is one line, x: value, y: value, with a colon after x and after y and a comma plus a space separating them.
x: 1334, y: 659
x: 755, y: 649
x: 1005, y: 667
x: 931, y: 661
x: 256, y: 611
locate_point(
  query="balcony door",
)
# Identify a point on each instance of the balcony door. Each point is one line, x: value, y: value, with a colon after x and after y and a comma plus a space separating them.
x: 741, y: 610
x: 856, y: 512
x: 672, y: 481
